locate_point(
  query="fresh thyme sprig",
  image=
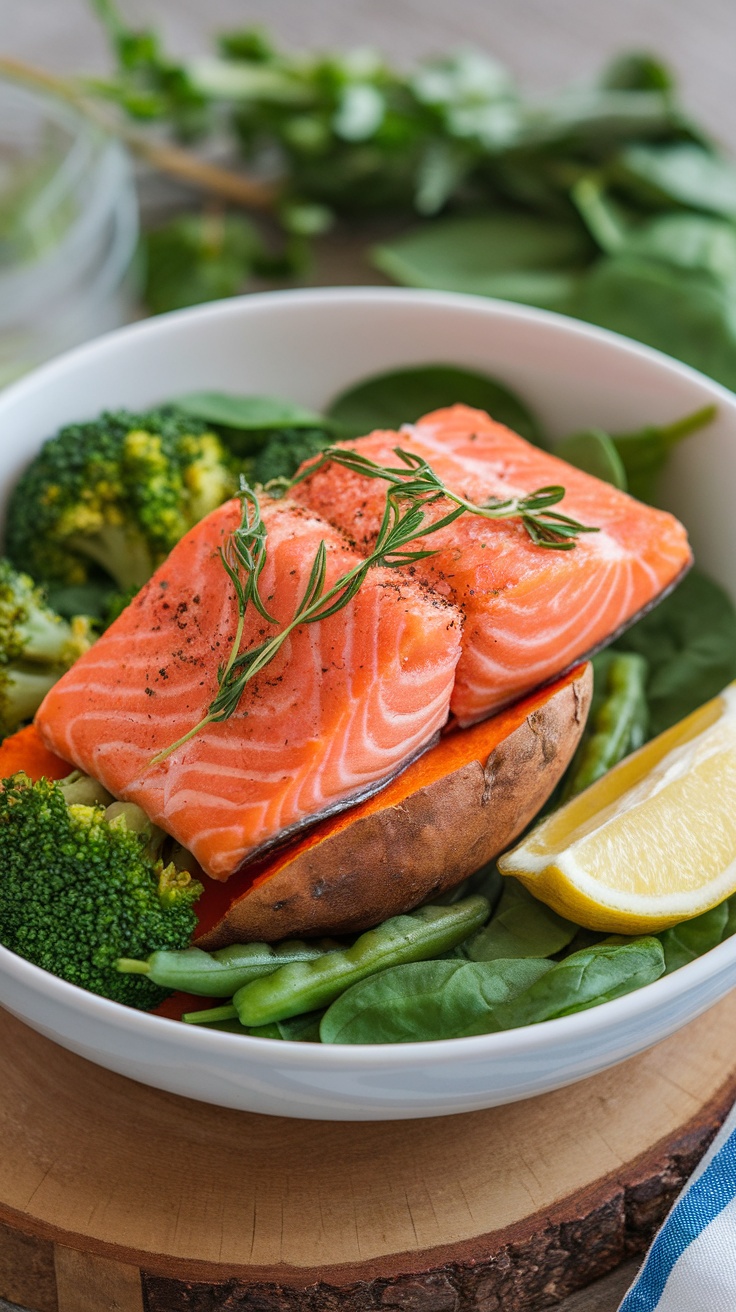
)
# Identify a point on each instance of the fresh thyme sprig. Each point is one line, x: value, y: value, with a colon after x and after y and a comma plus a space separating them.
x: 412, y: 487
x: 416, y: 481
x: 243, y: 558
x: 399, y: 527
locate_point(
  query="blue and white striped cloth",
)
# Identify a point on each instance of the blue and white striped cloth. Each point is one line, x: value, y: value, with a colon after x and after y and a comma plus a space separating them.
x: 691, y: 1266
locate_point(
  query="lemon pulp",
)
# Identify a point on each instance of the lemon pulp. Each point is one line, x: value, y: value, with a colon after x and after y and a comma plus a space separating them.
x: 651, y: 843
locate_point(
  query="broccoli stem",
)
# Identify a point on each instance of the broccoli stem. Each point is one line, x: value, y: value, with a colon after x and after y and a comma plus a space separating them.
x: 21, y: 693
x: 211, y: 1016
x: 46, y: 638
x: 123, y: 554
x: 82, y: 790
x: 133, y: 817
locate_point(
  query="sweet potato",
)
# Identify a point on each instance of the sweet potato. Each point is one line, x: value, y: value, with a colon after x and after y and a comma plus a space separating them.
x: 460, y: 804
x: 25, y: 751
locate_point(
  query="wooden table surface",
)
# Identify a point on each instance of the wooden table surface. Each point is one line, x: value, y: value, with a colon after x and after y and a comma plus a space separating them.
x: 544, y: 45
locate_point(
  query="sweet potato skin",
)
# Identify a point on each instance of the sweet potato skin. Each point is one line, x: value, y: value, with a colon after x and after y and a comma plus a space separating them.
x: 387, y: 862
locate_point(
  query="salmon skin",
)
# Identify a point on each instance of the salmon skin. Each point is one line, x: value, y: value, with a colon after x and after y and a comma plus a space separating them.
x: 530, y: 612
x: 345, y: 704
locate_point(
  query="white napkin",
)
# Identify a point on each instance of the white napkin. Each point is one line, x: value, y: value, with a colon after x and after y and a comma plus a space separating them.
x: 691, y: 1266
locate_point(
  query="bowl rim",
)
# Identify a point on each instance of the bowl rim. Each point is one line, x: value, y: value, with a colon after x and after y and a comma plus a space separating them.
x: 502, y: 1044
x: 233, y: 306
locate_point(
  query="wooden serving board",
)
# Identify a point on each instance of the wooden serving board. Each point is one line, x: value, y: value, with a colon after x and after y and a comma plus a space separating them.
x: 119, y: 1198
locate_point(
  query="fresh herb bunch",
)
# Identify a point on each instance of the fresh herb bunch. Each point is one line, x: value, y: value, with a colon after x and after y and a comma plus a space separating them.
x: 604, y: 201
x: 352, y: 133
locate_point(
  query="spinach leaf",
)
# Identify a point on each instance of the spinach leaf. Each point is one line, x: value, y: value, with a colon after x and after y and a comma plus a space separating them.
x: 594, y: 120
x: 584, y: 938
x: 427, y: 1000
x: 513, y: 255
x: 631, y: 461
x: 284, y: 452
x: 689, y: 640
x: 304, y: 1029
x: 686, y: 241
x: 301, y: 1028
x: 402, y: 396
x: 595, y: 452
x: 691, y: 938
x: 248, y: 413
x: 274, y: 434
x: 235, y: 1027
x: 521, y: 927
x: 678, y: 173
x: 683, y: 312
x: 644, y: 453
x: 584, y: 979
x: 488, y: 881
x: 601, y: 662
x: 351, y: 134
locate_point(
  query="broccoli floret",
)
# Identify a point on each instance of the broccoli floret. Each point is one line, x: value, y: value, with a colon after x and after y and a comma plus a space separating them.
x: 36, y: 647
x: 117, y: 602
x: 82, y: 885
x: 117, y: 494
x: 285, y: 451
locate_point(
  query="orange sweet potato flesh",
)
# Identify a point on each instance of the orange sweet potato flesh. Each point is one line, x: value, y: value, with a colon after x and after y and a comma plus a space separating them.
x: 25, y: 751
x: 455, y: 808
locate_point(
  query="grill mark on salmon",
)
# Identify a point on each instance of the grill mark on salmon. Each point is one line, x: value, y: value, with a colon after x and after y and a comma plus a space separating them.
x: 530, y: 612
x: 344, y: 706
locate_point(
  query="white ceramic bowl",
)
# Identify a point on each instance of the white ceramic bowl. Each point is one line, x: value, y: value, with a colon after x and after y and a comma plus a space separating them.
x: 306, y: 346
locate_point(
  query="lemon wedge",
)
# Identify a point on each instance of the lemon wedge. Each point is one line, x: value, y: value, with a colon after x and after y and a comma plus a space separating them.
x: 651, y: 843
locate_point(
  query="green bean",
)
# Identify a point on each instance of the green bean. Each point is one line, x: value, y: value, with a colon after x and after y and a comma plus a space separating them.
x: 220, y: 974
x: 309, y: 985
x: 303, y: 1029
x: 618, y: 722
x: 211, y: 1015
x: 234, y: 1027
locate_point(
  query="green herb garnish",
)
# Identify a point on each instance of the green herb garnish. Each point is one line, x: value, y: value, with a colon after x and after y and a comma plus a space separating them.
x: 418, y: 481
x: 411, y: 489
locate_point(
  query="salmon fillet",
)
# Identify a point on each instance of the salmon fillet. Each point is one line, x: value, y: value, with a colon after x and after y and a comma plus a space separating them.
x: 346, y: 703
x: 530, y: 612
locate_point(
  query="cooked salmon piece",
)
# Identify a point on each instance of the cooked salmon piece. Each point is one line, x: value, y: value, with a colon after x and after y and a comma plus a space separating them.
x: 347, y: 702
x: 530, y: 612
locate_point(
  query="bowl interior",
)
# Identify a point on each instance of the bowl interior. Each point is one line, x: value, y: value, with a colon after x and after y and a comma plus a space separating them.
x: 307, y: 346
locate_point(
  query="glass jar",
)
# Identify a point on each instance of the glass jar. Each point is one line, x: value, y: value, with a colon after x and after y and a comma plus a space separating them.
x: 68, y: 230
